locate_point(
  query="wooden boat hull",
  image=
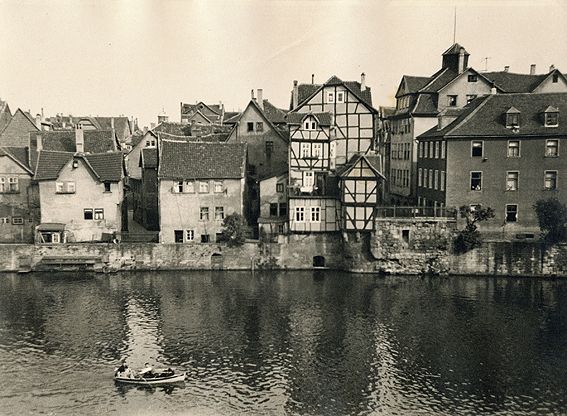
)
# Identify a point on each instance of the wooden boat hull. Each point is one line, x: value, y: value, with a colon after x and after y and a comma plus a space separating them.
x: 176, y: 378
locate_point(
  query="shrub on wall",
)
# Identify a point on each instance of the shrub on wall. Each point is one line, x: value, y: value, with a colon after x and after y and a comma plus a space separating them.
x: 234, y: 228
x: 552, y: 216
x: 470, y: 237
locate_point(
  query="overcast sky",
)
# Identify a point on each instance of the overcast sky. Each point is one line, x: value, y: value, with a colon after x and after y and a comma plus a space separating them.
x: 134, y: 57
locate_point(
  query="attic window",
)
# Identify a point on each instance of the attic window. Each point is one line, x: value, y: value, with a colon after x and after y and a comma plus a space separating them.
x: 472, y: 78
x: 512, y: 118
x: 75, y: 164
x: 331, y: 97
x: 551, y: 117
x: 555, y: 77
x: 340, y: 97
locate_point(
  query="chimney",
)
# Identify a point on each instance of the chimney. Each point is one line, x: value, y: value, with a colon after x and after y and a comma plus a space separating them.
x: 260, y: 95
x: 38, y: 142
x: 461, y: 60
x: 79, y: 140
x: 38, y: 121
x: 552, y: 68
x: 252, y: 95
x: 112, y: 123
x: 42, y: 116
x: 507, y: 68
x: 363, y: 82
x: 493, y: 89
x: 312, y: 79
x: 532, y: 69
x: 295, y: 95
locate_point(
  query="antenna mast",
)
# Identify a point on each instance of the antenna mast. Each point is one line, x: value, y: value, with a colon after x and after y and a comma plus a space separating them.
x: 455, y: 26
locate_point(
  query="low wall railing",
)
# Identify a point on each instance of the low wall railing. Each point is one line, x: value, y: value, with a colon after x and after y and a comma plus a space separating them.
x: 415, y: 212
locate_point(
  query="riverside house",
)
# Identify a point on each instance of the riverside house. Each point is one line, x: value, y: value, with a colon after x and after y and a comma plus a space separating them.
x: 19, y: 199
x: 262, y: 127
x: 331, y: 126
x: 503, y: 151
x: 200, y: 183
x: 420, y: 99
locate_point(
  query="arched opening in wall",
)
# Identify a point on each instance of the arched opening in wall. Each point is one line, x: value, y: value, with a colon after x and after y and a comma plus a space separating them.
x: 216, y: 261
x: 318, y: 261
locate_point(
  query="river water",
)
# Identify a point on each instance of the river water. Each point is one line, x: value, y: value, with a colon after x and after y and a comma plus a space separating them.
x: 275, y: 343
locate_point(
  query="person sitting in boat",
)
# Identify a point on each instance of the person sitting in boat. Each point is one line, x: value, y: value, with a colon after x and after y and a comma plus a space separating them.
x: 146, y: 371
x: 123, y: 371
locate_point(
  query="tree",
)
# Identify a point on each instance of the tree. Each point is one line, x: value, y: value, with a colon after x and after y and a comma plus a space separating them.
x: 552, y: 216
x: 233, y: 232
x: 470, y: 237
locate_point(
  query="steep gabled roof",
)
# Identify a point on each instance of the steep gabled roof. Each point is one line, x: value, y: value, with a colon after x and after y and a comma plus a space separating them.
x: 170, y: 127
x: 439, y: 80
x: 272, y: 113
x: 510, y: 82
x: 18, y: 155
x: 96, y: 141
x: 373, y: 162
x: 455, y: 49
x: 324, y: 118
x: 104, y: 166
x: 485, y: 117
x: 198, y: 160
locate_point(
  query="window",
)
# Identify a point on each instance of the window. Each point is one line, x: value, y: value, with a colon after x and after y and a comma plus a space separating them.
x: 279, y: 187
x: 88, y: 214
x: 551, y: 119
x: 5, y: 220
x: 443, y: 149
x: 17, y: 220
x: 205, y: 238
x: 249, y: 126
x: 340, y: 97
x: 273, y: 210
x: 204, y: 214
x: 269, y: 147
x: 552, y: 148
x: 299, y: 214
x: 555, y: 77
x: 472, y: 78
x: 178, y: 188
x: 178, y: 236
x: 514, y: 148
x: 308, y: 179
x: 99, y: 213
x: 476, y: 149
x: 219, y: 213
x: 259, y: 126
x: 56, y: 238
x: 204, y: 187
x: 550, y: 180
x: 331, y: 97
x: 315, y: 214
x: 452, y: 100
x: 420, y: 177
x: 190, y: 186
x: 59, y: 187
x: 442, y: 180
x: 436, y: 150
x: 511, y: 213
x: 305, y: 151
x: 2, y: 184
x: 283, y: 209
x: 317, y: 151
x: 435, y: 177
x: 218, y: 186
x: 512, y: 181
x: 513, y: 118
x: 281, y: 228
x: 470, y: 97
x: 476, y: 181
x: 106, y: 187
x: 13, y: 184
x: 149, y: 143
x: 431, y: 149
x: 189, y: 235
x: 425, y: 178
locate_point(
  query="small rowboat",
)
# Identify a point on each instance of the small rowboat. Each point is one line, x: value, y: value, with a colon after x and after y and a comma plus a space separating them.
x: 156, y: 378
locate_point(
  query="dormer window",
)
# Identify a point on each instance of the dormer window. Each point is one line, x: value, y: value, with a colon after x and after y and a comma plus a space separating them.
x: 310, y: 124
x: 512, y: 118
x: 551, y: 117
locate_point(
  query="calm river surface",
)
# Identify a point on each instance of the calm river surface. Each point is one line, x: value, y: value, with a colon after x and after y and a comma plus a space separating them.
x: 283, y: 343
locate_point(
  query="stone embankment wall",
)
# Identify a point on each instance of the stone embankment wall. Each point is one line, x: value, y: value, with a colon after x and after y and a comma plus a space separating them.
x: 391, y: 250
